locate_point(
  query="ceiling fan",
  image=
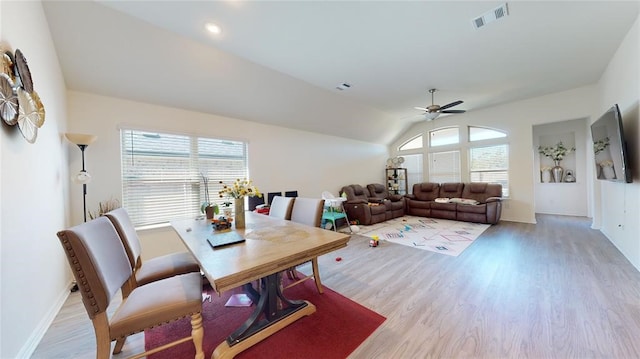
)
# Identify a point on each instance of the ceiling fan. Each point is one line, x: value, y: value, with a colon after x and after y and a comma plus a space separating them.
x: 433, y: 111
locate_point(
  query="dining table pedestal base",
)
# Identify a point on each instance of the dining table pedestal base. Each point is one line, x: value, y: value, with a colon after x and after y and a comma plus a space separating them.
x: 273, y: 312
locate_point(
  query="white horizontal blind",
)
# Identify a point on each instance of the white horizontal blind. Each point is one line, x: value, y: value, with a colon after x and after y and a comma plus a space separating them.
x: 161, y: 173
x: 490, y: 164
x: 444, y: 167
x: 415, y: 173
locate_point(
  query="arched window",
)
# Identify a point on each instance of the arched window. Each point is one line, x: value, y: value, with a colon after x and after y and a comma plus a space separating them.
x: 483, y: 133
x: 444, y: 136
x: 412, y: 144
x: 479, y: 155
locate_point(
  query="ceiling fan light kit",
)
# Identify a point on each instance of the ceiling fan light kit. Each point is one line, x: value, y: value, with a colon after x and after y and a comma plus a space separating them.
x: 433, y: 111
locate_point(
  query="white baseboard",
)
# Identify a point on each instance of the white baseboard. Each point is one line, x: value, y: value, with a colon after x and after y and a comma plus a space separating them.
x: 38, y: 333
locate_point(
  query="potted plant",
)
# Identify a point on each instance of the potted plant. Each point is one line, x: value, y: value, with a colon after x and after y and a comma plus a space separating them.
x: 207, y: 207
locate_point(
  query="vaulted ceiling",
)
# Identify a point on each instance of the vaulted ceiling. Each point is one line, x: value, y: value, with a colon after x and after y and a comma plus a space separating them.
x: 280, y: 62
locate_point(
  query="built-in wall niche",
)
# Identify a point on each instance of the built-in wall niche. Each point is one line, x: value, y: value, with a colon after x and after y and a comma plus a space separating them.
x: 557, y: 157
x: 564, y: 198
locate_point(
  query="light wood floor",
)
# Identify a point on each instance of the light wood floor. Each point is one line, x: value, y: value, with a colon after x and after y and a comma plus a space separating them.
x: 557, y: 289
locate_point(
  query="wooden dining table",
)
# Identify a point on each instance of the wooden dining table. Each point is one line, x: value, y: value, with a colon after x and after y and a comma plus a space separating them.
x: 270, y: 247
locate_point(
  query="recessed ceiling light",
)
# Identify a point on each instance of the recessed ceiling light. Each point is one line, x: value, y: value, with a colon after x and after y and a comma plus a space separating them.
x: 213, y: 28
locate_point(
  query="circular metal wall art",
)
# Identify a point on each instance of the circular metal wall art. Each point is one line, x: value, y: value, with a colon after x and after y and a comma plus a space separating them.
x: 39, y: 109
x: 8, y: 101
x: 23, y: 71
x: 27, y: 116
x: 19, y: 103
x: 7, y: 65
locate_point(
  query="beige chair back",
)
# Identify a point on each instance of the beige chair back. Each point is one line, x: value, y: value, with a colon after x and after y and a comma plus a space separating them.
x: 151, y: 270
x: 98, y: 261
x: 308, y: 211
x: 281, y: 207
x: 127, y: 232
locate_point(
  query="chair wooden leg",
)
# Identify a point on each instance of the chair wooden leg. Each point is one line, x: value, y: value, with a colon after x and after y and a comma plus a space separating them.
x: 103, y: 340
x: 316, y: 275
x: 197, y: 334
x: 119, y: 344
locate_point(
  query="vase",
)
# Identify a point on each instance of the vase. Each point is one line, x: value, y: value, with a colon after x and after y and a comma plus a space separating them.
x: 557, y: 171
x: 239, y: 212
x: 546, y: 176
x: 608, y: 172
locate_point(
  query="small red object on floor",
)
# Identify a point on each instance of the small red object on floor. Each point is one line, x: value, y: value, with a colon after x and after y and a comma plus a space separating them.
x: 338, y: 259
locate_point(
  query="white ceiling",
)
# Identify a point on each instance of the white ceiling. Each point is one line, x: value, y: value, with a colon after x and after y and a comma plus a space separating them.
x: 279, y: 62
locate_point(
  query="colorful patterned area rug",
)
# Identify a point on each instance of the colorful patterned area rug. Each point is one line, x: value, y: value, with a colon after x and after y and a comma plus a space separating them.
x: 429, y: 234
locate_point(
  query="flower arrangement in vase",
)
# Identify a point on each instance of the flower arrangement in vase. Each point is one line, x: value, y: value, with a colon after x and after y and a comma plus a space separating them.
x: 557, y: 154
x: 238, y: 190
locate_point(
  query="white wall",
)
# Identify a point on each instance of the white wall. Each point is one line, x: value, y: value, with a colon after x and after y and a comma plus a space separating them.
x: 518, y: 119
x: 616, y: 205
x: 280, y: 159
x: 34, y: 194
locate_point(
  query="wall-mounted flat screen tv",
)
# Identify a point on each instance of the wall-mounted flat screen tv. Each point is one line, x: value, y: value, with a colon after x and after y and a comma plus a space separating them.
x: 609, y: 147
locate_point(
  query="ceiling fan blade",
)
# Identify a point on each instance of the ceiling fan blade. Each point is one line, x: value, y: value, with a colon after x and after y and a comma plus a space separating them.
x: 455, y: 103
x: 453, y: 111
x: 421, y: 108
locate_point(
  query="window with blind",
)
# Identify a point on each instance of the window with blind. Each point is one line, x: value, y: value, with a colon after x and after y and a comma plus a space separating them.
x: 162, y: 173
x: 444, y: 167
x: 490, y: 164
x: 413, y: 164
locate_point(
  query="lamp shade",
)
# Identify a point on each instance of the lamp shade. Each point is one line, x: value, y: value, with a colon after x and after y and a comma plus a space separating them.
x: 80, y: 138
x: 431, y: 115
x: 82, y: 177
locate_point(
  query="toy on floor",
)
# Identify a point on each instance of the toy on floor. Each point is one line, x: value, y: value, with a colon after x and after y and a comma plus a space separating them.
x: 374, y: 241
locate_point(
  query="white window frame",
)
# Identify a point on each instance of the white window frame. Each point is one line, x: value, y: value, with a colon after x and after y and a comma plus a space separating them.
x: 163, y: 181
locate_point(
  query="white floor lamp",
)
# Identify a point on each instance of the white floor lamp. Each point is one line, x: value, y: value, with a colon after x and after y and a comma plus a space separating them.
x: 82, y: 177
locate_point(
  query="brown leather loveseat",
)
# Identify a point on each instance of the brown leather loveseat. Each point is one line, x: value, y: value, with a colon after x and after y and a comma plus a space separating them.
x: 471, y: 202
x: 370, y: 207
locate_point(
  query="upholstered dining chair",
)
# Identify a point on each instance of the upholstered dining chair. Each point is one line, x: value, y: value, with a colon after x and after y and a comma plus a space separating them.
x: 307, y: 211
x: 281, y: 207
x: 271, y: 195
x: 100, y: 266
x: 152, y: 269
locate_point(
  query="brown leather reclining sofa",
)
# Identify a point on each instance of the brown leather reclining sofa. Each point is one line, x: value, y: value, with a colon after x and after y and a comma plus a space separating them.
x: 372, y: 204
x: 470, y: 202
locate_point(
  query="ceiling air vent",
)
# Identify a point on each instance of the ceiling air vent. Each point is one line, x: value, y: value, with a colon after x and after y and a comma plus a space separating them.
x: 490, y: 16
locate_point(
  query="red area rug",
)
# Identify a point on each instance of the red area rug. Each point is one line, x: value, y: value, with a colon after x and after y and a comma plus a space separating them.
x: 335, y: 330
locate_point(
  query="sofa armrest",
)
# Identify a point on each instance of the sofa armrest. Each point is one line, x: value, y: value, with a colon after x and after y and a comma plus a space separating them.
x: 494, y: 211
x: 356, y: 201
x: 493, y: 199
x: 396, y: 197
x: 410, y: 196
